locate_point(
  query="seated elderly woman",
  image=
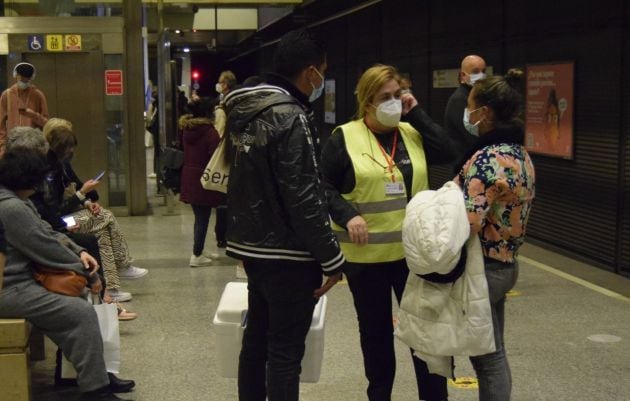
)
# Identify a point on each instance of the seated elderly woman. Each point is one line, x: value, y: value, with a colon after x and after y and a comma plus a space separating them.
x: 33, y: 139
x: 68, y: 321
x: 64, y: 193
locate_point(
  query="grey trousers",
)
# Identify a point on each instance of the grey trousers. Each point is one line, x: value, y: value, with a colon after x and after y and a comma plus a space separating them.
x: 70, y: 322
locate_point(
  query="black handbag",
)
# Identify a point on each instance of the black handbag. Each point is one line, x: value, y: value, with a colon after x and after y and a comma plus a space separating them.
x: 172, y: 158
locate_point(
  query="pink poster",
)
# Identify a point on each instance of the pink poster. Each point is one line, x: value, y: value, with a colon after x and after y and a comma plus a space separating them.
x: 549, y: 109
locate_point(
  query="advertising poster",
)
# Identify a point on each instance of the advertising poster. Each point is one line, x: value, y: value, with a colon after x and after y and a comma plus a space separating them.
x: 329, y: 101
x: 549, y: 109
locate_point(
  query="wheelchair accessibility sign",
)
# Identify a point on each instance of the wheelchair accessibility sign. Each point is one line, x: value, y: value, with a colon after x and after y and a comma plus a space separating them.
x: 36, y: 43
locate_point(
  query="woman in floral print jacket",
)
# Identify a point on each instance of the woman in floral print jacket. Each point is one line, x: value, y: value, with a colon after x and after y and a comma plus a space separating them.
x: 497, y: 178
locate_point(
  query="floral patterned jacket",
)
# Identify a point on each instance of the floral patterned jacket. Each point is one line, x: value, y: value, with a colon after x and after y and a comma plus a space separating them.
x: 498, y: 184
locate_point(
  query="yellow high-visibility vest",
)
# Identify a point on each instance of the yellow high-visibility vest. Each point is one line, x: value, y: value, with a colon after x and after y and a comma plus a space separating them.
x: 383, y: 213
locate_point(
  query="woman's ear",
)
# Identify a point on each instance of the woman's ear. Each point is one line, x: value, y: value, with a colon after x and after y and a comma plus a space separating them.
x: 488, y: 114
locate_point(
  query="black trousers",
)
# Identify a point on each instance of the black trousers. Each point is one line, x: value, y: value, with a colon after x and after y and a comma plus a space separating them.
x: 220, y: 226
x: 202, y: 219
x: 281, y: 304
x: 371, y: 286
x: 90, y: 243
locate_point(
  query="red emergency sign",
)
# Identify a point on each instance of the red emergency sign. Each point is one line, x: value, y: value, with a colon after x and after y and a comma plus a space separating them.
x: 113, y: 82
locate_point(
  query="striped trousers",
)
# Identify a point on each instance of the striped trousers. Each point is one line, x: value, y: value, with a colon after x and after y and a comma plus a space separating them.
x: 111, y: 243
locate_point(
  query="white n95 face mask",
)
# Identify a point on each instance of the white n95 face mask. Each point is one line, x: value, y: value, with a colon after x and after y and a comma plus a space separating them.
x: 388, y: 113
x: 218, y: 87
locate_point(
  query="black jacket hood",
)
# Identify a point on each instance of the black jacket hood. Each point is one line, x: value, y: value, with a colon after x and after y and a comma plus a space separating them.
x: 243, y: 105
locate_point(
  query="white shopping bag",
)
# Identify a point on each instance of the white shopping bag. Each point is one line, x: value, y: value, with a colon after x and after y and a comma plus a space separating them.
x: 216, y: 174
x: 108, y: 323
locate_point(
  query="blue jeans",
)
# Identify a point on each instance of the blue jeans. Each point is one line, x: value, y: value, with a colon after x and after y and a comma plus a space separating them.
x: 493, y: 370
x: 371, y: 286
x: 280, y: 310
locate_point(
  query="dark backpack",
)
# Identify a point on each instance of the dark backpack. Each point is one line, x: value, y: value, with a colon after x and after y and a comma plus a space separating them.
x: 171, y: 162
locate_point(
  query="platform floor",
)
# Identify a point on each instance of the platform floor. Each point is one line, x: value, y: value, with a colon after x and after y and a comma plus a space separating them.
x: 568, y: 339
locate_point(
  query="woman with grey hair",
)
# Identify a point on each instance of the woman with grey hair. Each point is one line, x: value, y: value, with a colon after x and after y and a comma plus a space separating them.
x: 28, y: 138
x: 68, y: 321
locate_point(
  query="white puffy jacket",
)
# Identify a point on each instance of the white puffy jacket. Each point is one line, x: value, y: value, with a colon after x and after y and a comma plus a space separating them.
x: 440, y: 320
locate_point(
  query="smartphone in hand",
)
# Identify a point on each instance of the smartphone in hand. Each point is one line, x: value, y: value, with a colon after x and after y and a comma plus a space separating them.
x: 69, y: 220
x: 99, y: 176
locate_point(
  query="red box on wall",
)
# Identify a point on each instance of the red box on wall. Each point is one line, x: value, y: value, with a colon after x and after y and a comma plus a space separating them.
x: 113, y: 82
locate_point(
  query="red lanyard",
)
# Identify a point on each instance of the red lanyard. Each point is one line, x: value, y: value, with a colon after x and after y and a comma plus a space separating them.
x: 390, y: 158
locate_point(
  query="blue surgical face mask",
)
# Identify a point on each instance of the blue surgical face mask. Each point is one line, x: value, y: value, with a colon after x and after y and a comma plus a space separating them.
x: 472, y: 128
x: 317, y: 92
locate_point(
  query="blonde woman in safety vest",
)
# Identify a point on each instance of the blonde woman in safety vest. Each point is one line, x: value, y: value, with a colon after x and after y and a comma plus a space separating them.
x: 372, y: 167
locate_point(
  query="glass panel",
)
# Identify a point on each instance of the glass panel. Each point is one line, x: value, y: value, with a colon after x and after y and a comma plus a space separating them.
x: 116, y: 146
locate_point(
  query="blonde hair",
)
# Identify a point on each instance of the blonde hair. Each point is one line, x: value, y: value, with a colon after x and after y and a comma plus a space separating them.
x: 58, y: 133
x: 229, y: 78
x: 370, y: 83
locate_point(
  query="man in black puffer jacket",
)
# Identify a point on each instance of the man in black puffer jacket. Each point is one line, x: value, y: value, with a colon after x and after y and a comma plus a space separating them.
x: 278, y: 221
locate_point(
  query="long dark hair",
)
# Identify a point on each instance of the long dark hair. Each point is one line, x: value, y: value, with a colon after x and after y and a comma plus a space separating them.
x: 501, y: 94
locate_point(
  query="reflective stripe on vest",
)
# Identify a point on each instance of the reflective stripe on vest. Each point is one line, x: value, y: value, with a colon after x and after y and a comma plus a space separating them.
x: 383, y: 213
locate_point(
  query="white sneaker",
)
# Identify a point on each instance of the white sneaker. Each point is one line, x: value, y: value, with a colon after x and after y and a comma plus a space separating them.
x: 132, y: 272
x: 211, y: 255
x: 119, y: 296
x: 198, y: 261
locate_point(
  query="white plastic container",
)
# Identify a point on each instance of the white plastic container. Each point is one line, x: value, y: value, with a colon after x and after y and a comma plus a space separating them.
x: 229, y: 323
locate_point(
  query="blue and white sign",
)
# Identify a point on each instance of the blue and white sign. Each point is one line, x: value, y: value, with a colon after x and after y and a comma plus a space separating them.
x: 196, y: 86
x: 36, y: 42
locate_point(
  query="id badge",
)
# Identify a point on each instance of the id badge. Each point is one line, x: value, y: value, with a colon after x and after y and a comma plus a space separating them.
x: 394, y: 188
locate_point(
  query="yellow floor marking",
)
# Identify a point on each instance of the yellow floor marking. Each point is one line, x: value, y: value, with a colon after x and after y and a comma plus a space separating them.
x: 514, y: 293
x: 574, y: 279
x: 464, y: 382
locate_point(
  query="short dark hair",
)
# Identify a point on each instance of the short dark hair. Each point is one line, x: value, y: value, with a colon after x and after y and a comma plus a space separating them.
x: 22, y: 168
x: 26, y: 70
x: 296, y: 51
